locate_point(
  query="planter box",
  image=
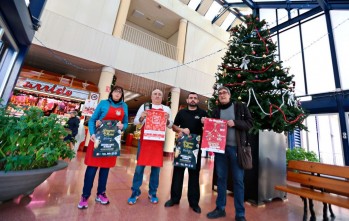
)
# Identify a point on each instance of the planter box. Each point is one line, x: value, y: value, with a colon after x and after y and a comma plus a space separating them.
x: 15, y: 183
x: 269, y: 168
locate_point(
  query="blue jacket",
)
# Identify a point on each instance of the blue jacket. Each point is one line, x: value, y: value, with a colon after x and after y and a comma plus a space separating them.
x: 102, y: 110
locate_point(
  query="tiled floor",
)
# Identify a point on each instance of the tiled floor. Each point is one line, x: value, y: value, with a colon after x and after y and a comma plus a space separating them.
x: 57, y: 198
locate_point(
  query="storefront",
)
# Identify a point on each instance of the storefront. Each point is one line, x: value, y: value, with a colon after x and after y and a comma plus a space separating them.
x: 53, y: 93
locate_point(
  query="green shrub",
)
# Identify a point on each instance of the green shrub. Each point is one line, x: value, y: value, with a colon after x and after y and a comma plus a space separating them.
x: 31, y: 141
x: 299, y: 153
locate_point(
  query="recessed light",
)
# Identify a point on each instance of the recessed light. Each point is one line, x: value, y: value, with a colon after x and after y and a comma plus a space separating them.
x: 138, y: 14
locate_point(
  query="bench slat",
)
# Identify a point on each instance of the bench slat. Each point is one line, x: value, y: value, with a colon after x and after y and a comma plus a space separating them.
x: 328, y: 169
x: 330, y: 185
x: 315, y: 195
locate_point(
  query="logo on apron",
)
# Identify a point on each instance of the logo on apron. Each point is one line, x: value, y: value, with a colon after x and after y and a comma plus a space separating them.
x: 118, y: 113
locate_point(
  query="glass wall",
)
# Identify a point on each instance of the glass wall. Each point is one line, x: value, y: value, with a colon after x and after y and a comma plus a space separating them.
x: 324, y: 138
x: 323, y: 135
x: 318, y: 63
x: 290, y: 53
x: 340, y: 25
x: 8, y: 55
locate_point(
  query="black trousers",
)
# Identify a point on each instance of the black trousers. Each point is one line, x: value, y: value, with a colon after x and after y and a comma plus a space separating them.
x: 193, y: 184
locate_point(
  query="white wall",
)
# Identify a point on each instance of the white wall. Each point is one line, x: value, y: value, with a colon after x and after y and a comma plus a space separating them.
x: 100, y: 14
x: 83, y: 28
x: 199, y: 44
x: 173, y: 39
x: 195, y: 18
x: 203, y: 38
x: 68, y: 36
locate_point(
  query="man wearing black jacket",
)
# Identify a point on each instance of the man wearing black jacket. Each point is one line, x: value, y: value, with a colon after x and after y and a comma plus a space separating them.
x: 188, y: 121
x: 73, y: 125
x: 238, y: 119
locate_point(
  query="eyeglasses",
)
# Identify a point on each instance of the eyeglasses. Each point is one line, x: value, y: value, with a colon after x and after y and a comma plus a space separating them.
x: 222, y: 93
x: 157, y: 94
x: 117, y: 91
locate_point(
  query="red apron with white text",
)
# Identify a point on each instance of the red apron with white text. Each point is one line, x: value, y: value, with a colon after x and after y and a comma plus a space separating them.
x: 151, y: 151
x: 114, y: 113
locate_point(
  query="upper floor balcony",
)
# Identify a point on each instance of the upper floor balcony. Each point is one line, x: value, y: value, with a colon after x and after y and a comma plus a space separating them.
x: 149, y: 42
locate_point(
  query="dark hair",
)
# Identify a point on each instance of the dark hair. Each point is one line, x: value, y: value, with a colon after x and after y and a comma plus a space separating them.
x: 193, y: 93
x: 116, y: 88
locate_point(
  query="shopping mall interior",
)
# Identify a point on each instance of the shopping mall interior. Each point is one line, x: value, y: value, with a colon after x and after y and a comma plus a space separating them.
x: 64, y: 56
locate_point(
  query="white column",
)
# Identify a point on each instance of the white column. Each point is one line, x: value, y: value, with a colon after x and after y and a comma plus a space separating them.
x: 87, y: 139
x: 105, y: 81
x: 121, y: 18
x: 182, y: 34
x: 170, y: 135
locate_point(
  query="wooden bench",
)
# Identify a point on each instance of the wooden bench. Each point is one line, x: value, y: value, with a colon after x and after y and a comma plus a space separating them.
x: 317, y: 181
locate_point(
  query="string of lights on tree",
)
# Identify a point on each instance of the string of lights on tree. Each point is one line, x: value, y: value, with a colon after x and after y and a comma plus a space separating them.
x: 253, y: 74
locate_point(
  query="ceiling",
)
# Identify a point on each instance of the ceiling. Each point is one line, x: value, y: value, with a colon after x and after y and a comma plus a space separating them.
x: 153, y: 17
x: 61, y: 63
x: 150, y: 13
x: 58, y: 62
x: 228, y: 13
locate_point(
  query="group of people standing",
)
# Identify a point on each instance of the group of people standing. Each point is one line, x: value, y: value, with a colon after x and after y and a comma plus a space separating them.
x: 187, y: 121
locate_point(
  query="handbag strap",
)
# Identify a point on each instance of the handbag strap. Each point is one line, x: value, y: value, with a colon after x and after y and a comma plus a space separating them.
x: 238, y: 138
x: 238, y: 141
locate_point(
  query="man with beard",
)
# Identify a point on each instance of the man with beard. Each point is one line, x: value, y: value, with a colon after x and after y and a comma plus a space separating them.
x: 188, y: 121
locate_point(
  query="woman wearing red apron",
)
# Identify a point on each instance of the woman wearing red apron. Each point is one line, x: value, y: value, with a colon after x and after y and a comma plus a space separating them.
x: 114, y: 108
x: 147, y: 149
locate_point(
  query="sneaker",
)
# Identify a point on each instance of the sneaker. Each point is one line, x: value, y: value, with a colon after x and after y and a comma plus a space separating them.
x: 133, y: 199
x: 83, y: 204
x: 153, y: 199
x: 102, y: 199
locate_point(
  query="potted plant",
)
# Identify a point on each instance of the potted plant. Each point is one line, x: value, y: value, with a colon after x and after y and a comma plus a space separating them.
x: 31, y: 149
x: 299, y: 153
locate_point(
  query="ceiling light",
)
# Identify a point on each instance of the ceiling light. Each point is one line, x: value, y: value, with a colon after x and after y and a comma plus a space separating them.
x: 128, y: 95
x: 138, y: 14
x: 158, y: 24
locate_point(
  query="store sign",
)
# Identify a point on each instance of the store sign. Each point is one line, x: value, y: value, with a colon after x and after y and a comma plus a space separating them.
x: 53, y: 89
x: 90, y: 105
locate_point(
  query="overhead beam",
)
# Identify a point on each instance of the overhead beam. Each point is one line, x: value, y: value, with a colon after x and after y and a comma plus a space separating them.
x: 238, y: 14
x: 219, y: 15
x: 249, y: 3
x: 204, y: 6
x: 323, y: 4
x: 333, y: 5
x: 284, y: 4
x: 296, y: 19
x: 222, y: 18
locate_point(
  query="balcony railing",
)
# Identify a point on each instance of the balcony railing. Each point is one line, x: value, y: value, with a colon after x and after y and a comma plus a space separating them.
x: 149, y: 42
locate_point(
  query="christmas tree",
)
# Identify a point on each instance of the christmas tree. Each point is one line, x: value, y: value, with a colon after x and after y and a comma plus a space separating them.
x: 254, y: 75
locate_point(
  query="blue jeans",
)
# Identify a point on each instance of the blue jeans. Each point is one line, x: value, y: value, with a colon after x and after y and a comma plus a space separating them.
x: 222, y: 162
x: 138, y: 178
x: 89, y: 178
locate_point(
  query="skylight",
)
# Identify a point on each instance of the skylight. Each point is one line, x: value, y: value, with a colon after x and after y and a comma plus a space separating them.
x: 213, y: 11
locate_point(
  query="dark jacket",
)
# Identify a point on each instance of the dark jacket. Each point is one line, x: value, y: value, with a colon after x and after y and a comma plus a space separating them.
x: 243, y: 120
x: 73, y: 125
